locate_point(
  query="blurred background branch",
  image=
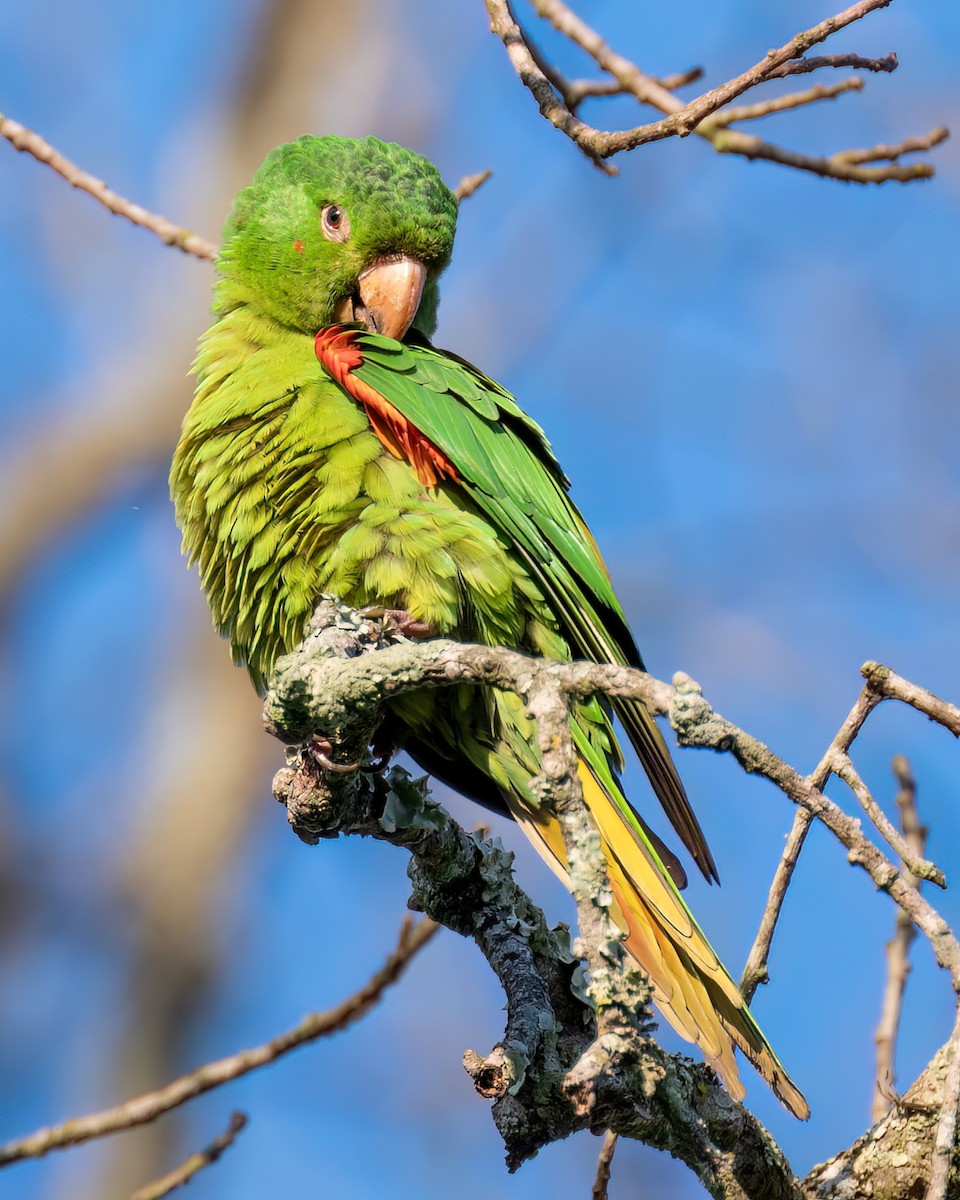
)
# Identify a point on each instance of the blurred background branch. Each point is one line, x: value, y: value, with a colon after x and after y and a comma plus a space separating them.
x: 195, y: 1163
x: 145, y: 1109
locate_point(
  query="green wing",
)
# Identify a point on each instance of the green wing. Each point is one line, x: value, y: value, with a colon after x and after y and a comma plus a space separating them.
x: 508, y: 470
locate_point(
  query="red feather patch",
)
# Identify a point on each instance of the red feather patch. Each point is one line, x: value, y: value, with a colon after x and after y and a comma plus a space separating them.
x: 337, y: 349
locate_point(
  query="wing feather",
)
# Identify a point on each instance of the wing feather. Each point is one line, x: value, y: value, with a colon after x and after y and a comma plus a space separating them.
x: 506, y: 466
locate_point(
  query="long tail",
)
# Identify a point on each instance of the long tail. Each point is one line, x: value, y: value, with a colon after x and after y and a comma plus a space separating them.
x: 691, y: 986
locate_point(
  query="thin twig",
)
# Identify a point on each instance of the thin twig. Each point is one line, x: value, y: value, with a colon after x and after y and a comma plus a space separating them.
x: 146, y: 1108
x: 682, y: 79
x: 733, y: 141
x: 750, y: 112
x: 573, y: 92
x: 844, y: 769
x: 602, y: 1182
x: 803, y: 66
x: 890, y: 153
x: 756, y: 971
x: 889, y: 685
x: 194, y: 1164
x: 470, y: 183
x: 26, y: 140
x: 898, y: 951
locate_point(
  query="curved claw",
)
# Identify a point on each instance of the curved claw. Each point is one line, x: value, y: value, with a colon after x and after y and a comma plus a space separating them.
x: 373, y: 612
x: 320, y: 749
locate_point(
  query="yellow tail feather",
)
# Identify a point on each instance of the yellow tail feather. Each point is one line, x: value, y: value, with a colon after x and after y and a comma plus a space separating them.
x: 691, y: 986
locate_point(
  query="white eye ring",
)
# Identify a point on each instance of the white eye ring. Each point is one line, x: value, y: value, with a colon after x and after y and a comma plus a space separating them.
x: 334, y: 223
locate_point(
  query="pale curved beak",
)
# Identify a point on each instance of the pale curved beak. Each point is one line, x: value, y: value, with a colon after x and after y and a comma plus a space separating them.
x: 387, y: 297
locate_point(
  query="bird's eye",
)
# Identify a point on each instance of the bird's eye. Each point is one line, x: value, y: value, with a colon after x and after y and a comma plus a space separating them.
x: 335, y: 223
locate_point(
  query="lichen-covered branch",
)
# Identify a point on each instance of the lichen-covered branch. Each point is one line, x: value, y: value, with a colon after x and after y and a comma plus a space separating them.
x: 570, y: 1058
x: 311, y: 692
x: 563, y: 1065
x: 895, y: 1158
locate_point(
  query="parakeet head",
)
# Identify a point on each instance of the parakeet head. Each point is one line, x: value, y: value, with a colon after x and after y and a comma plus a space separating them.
x: 339, y: 229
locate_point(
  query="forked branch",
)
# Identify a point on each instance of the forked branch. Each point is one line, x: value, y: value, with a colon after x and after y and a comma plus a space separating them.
x: 707, y: 115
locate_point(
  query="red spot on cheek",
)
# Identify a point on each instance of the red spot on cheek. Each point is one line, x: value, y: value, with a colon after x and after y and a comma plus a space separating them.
x: 298, y: 246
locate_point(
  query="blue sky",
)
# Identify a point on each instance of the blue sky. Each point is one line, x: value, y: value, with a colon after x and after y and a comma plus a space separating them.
x: 750, y: 376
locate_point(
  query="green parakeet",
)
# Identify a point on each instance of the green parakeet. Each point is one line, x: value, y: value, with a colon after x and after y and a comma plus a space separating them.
x: 331, y: 449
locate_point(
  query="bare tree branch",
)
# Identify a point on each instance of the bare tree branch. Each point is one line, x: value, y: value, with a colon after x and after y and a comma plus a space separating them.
x: 26, y: 140
x: 143, y: 1109
x: 194, y: 1164
x: 890, y: 153
x: 558, y: 98
x: 918, y: 867
x: 888, y: 685
x: 756, y: 972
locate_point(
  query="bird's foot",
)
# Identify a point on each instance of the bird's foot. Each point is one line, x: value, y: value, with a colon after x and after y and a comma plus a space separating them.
x: 400, y: 620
